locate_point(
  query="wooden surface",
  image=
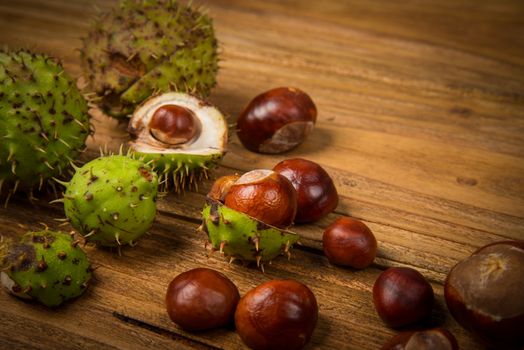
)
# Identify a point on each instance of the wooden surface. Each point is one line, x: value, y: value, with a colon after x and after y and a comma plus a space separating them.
x: 421, y: 125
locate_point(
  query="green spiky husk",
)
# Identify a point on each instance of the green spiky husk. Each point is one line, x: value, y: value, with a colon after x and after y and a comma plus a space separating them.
x: 180, y: 170
x: 111, y: 200
x: 43, y: 120
x: 149, y: 46
x: 47, y: 266
x: 236, y: 234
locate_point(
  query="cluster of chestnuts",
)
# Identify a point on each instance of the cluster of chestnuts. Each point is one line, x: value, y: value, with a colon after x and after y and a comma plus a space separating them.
x: 275, y: 122
x: 294, y: 191
x: 484, y: 293
x: 278, y: 314
x: 249, y: 217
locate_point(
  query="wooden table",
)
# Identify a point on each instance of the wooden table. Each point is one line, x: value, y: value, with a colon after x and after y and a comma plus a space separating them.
x: 421, y: 125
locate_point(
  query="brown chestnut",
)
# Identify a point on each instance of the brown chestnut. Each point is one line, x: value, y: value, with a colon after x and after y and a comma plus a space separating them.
x: 402, y: 296
x: 277, y: 120
x: 221, y: 187
x: 201, y: 299
x: 174, y: 124
x: 349, y: 242
x: 278, y: 314
x: 431, y: 339
x: 485, y: 294
x: 316, y: 193
x: 265, y: 195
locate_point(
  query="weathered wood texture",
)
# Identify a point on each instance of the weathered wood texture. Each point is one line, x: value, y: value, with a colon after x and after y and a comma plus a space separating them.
x: 421, y: 125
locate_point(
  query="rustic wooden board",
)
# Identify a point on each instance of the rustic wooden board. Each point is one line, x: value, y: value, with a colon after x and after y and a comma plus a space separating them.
x: 421, y: 125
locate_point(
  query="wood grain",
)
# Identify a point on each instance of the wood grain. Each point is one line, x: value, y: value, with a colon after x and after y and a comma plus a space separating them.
x: 421, y: 126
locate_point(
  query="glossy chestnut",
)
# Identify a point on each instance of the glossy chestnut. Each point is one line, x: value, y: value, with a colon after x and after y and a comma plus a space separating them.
x: 264, y: 195
x: 485, y: 294
x: 174, y: 125
x: 278, y: 314
x: 316, y: 193
x: 431, y: 339
x: 277, y: 120
x: 402, y: 296
x: 201, y: 299
x: 349, y: 242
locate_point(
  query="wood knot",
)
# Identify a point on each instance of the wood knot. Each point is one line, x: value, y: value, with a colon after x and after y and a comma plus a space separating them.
x: 467, y: 181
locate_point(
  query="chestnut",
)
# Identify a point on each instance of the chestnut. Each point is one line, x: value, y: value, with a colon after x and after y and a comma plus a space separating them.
x: 264, y: 195
x: 276, y: 121
x: 278, y: 314
x: 201, y: 299
x: 349, y: 242
x: 402, y: 296
x: 316, y: 193
x: 174, y: 125
x: 431, y: 339
x: 485, y: 294
x: 221, y: 187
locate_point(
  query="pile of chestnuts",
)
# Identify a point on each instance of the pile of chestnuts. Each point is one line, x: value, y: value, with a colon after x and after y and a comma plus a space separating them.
x: 295, y: 191
x: 249, y: 217
x: 278, y: 314
x: 484, y: 293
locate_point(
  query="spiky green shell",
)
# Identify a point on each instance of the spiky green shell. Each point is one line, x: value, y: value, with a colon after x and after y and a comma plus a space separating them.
x: 146, y: 46
x: 181, y: 170
x: 240, y: 236
x: 111, y: 200
x: 47, y: 266
x: 43, y: 119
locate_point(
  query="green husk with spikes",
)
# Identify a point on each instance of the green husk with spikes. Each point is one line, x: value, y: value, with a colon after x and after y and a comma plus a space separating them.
x: 47, y: 266
x: 43, y: 120
x: 179, y: 170
x: 241, y: 236
x: 148, y: 46
x: 111, y: 200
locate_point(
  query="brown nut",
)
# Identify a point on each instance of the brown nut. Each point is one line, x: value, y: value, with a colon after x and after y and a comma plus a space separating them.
x: 316, y: 193
x: 277, y: 120
x: 485, y: 294
x: 264, y: 195
x: 174, y: 124
x: 349, y: 242
x: 278, y: 314
x: 402, y: 296
x: 201, y: 299
x: 431, y: 339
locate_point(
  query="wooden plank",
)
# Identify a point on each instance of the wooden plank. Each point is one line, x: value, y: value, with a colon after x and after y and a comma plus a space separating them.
x: 173, y: 246
x: 420, y: 125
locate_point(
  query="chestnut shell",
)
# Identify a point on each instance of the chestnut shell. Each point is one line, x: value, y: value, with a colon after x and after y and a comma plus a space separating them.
x: 316, y: 193
x: 278, y: 314
x: 201, y: 299
x: 276, y: 121
x: 402, y: 296
x: 485, y: 294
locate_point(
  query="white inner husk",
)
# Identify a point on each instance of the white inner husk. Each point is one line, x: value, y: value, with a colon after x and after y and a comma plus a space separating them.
x: 212, y: 138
